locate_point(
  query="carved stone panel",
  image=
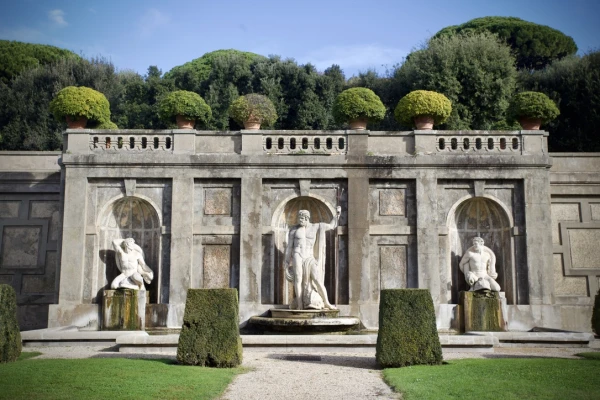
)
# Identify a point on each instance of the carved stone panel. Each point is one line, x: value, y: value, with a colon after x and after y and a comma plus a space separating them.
x: 391, y: 202
x: 217, y: 260
x: 217, y: 201
x: 9, y: 209
x: 585, y: 252
x: 393, y: 267
x: 564, y: 285
x: 20, y: 246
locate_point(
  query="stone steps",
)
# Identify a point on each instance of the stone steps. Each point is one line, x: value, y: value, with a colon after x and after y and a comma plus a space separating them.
x: 142, y: 342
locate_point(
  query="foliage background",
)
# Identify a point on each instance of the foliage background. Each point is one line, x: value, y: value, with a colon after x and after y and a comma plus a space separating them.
x: 478, y: 65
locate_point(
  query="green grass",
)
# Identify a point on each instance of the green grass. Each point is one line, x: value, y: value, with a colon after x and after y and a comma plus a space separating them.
x: 110, y: 378
x: 503, y: 378
x: 590, y: 355
x: 26, y: 355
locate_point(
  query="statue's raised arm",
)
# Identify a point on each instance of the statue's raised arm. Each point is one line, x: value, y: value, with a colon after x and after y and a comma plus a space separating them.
x: 335, y: 220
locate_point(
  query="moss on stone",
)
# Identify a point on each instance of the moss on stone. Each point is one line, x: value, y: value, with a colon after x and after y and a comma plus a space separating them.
x: 210, y: 334
x: 596, y: 314
x: 407, y: 329
x: 10, y: 335
x: 482, y: 311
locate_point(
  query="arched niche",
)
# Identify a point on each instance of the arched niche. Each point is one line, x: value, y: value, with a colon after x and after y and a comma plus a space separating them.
x: 285, y: 217
x: 137, y: 218
x: 488, y: 219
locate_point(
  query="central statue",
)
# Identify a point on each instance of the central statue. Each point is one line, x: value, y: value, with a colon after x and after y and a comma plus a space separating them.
x: 305, y: 268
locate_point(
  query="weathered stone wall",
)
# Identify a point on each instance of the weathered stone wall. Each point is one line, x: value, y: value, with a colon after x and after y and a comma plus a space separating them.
x: 575, y: 193
x: 212, y: 210
x: 30, y: 230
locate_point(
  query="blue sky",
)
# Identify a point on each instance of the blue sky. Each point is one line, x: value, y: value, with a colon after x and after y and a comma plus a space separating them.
x: 357, y: 35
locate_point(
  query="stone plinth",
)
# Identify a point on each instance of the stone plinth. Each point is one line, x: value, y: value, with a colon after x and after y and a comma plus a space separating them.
x: 124, y: 310
x: 482, y: 311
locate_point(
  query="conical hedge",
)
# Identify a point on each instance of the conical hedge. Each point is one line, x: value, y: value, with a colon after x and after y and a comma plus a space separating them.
x: 596, y: 314
x: 407, y: 330
x: 10, y: 335
x: 210, y: 335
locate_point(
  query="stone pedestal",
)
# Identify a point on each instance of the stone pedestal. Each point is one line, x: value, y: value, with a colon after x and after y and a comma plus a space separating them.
x: 482, y: 311
x: 283, y: 320
x: 124, y: 310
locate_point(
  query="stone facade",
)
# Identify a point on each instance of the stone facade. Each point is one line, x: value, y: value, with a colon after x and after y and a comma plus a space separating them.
x: 212, y: 210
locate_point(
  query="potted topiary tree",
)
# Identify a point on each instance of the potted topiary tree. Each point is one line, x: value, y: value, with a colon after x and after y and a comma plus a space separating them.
x: 532, y: 109
x: 357, y: 106
x: 253, y: 110
x: 423, y: 108
x: 78, y: 105
x: 184, y: 108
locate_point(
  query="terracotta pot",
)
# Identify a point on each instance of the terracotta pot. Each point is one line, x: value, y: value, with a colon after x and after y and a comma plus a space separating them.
x: 358, y: 124
x: 423, y: 122
x: 76, y: 122
x: 252, y: 124
x: 530, y: 124
x: 184, y: 122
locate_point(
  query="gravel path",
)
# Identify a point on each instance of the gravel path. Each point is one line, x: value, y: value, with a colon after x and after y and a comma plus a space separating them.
x: 276, y: 374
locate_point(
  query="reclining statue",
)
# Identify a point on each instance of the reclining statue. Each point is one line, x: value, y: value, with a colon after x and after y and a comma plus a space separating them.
x: 130, y: 261
x: 479, y: 266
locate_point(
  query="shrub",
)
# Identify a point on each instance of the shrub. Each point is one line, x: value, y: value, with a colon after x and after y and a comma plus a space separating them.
x: 475, y: 72
x: 358, y: 103
x: 533, y: 105
x: 187, y: 104
x: 596, y: 314
x: 10, y: 336
x: 210, y: 335
x: 78, y: 102
x: 423, y: 102
x: 107, y: 125
x: 535, y: 46
x: 407, y: 330
x: 253, y: 107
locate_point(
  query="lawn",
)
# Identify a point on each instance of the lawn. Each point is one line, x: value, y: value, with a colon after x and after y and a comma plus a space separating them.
x: 500, y: 378
x: 110, y: 378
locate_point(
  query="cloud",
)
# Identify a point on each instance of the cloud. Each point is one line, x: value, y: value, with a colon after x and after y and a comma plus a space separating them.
x: 355, y: 58
x: 151, y: 21
x: 57, y: 17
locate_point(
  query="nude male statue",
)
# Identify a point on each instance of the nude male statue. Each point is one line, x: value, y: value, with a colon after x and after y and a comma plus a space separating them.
x: 130, y: 261
x: 305, y: 268
x: 479, y: 266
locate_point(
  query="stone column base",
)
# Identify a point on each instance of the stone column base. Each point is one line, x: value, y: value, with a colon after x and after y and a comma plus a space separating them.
x: 124, y: 310
x: 482, y: 311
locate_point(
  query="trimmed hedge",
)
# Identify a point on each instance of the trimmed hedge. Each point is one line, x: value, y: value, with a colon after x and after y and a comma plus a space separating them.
x: 210, y: 336
x: 81, y: 101
x: 185, y: 103
x: 10, y: 335
x: 407, y: 331
x: 532, y: 105
x: 358, y: 103
x: 596, y: 314
x: 253, y: 106
x: 423, y: 102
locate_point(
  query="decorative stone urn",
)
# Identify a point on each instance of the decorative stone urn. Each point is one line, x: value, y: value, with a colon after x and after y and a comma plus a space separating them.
x: 530, y: 124
x: 76, y: 122
x: 184, y: 123
x: 358, y: 124
x: 252, y: 124
x: 423, y: 122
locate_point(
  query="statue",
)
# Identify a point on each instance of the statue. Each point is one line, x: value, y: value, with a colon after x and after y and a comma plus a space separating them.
x: 479, y: 266
x: 305, y: 269
x: 130, y: 261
